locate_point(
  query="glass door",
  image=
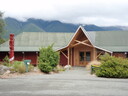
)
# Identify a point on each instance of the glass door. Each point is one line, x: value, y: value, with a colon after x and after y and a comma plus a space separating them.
x: 84, y: 57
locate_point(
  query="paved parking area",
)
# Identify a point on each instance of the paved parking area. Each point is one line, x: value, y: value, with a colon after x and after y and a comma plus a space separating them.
x: 76, y: 82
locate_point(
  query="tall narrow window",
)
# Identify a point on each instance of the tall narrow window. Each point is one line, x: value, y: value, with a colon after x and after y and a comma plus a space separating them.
x: 81, y: 54
x: 88, y: 56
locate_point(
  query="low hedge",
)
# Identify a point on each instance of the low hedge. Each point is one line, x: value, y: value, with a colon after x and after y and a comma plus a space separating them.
x: 112, y: 67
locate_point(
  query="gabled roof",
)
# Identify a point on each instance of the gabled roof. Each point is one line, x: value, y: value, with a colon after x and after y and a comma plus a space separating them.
x: 112, y: 41
x: 90, y: 37
x: 84, y: 31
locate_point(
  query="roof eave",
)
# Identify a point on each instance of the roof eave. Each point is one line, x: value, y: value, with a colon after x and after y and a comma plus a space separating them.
x: 103, y: 49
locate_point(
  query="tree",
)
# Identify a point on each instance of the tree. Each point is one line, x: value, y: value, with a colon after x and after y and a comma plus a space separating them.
x: 48, y: 59
x: 2, y: 24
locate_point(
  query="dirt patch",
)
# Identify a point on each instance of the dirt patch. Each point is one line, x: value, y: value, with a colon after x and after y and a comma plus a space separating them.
x: 13, y: 75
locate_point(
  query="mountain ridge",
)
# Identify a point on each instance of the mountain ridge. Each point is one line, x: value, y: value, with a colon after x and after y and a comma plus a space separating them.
x: 38, y: 25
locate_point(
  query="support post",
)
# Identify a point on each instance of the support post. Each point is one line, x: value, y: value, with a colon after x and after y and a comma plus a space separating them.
x: 71, y: 56
x: 36, y: 58
x: 111, y: 54
x: 68, y: 56
x: 94, y: 54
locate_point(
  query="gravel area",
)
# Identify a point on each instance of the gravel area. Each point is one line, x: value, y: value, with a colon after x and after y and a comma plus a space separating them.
x: 75, y: 82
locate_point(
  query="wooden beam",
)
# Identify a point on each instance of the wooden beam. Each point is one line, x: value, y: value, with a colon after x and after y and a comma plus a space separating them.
x: 83, y: 43
x: 79, y: 43
x: 64, y: 54
x: 99, y: 54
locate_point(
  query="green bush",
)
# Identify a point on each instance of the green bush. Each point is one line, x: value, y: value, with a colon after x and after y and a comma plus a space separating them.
x: 19, y: 66
x: 16, y: 65
x: 30, y: 67
x: 2, y: 40
x: 113, y: 67
x: 6, y: 61
x: 49, y: 58
x: 45, y: 67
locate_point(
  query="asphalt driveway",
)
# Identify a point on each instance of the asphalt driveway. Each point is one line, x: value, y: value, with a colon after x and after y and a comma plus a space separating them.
x: 76, y: 82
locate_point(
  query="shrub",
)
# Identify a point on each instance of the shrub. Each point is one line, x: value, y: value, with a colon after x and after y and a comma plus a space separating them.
x: 58, y: 68
x: 16, y: 65
x: 2, y: 40
x: 30, y: 67
x: 113, y: 67
x: 49, y: 58
x: 45, y: 67
x: 19, y: 66
x: 6, y: 61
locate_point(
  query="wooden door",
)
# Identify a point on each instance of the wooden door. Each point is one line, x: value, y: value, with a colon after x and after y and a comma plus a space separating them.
x: 84, y: 58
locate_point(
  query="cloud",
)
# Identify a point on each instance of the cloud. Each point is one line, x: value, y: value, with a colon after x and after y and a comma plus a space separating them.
x: 99, y: 12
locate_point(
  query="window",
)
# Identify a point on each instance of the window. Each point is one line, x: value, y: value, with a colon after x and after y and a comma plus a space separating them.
x: 88, y: 56
x: 81, y: 54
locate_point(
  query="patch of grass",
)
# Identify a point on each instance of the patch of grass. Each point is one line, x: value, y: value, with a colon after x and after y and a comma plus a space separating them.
x: 6, y: 61
x: 19, y: 66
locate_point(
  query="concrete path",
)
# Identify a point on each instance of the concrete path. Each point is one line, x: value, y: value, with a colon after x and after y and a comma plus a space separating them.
x: 76, y: 82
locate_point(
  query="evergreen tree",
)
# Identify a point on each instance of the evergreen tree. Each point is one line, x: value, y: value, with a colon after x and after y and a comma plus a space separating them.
x: 2, y: 24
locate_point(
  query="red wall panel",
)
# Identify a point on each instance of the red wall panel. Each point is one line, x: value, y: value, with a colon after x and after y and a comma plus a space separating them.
x: 31, y: 56
x: 63, y: 59
x: 18, y: 56
x: 119, y: 54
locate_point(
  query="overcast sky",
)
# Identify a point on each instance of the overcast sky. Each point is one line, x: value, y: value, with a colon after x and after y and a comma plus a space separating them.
x: 99, y: 12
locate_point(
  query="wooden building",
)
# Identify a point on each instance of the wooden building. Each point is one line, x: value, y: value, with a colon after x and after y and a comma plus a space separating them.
x: 76, y: 49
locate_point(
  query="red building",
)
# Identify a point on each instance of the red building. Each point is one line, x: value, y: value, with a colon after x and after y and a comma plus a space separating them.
x: 76, y: 49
